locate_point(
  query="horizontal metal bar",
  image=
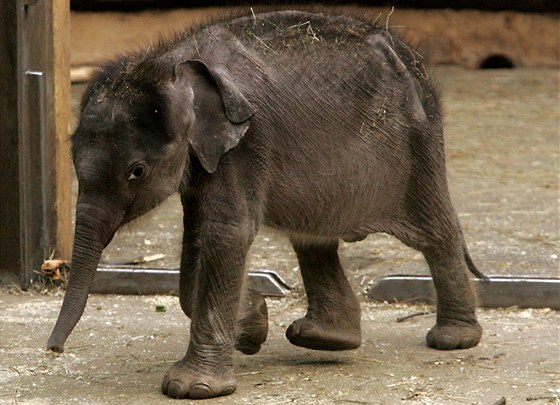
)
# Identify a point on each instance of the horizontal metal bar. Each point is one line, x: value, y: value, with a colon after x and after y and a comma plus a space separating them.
x: 144, y: 281
x: 498, y: 291
x: 268, y: 283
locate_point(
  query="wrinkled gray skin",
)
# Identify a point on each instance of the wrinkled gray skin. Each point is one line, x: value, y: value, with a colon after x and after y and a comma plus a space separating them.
x: 326, y: 128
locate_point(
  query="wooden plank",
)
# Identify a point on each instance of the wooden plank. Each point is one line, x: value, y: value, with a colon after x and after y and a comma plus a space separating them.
x: 35, y: 120
x: 59, y: 218
x: 9, y: 163
x: 33, y: 113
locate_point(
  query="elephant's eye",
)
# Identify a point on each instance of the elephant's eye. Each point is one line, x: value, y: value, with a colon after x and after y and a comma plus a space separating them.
x: 137, y: 172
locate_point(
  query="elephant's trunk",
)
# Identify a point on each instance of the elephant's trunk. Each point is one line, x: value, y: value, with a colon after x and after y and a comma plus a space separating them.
x: 94, y: 230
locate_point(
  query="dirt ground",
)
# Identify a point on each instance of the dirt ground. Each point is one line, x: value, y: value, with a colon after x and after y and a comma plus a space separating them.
x: 122, y: 347
x: 502, y: 141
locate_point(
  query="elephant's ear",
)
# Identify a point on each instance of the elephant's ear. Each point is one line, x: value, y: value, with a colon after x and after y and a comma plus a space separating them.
x: 221, y: 112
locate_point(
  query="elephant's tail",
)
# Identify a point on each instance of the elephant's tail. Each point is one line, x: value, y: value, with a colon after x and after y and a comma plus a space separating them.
x: 472, y: 268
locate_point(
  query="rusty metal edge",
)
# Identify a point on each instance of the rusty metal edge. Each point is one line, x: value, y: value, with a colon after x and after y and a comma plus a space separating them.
x: 501, y: 291
x: 128, y: 280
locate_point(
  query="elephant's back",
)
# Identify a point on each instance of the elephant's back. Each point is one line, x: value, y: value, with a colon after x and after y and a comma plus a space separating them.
x: 282, y: 31
x: 339, y: 104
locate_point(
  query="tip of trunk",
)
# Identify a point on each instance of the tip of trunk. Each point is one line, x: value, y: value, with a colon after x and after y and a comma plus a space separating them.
x: 56, y: 342
x: 94, y: 230
x: 55, y: 347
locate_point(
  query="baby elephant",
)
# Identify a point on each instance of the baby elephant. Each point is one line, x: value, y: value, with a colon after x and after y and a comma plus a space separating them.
x: 324, y: 127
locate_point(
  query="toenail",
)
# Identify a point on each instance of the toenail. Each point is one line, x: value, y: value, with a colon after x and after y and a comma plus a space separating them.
x: 200, y: 391
x: 176, y: 389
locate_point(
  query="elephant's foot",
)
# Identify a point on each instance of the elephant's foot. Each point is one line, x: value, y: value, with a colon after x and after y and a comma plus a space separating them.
x: 318, y: 333
x: 454, y: 335
x: 180, y: 381
x: 252, y: 325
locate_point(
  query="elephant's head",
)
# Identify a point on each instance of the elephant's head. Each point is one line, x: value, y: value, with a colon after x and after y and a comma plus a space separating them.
x: 142, y: 124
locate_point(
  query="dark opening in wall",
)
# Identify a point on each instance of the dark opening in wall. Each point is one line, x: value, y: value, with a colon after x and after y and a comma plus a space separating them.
x: 497, y: 62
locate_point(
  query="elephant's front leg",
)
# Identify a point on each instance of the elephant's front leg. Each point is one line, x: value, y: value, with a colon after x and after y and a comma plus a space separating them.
x: 252, y: 323
x: 332, y: 321
x: 207, y: 368
x: 252, y: 318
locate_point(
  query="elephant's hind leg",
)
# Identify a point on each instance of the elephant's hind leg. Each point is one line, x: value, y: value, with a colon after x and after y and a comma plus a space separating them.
x: 332, y: 321
x: 456, y: 327
x: 433, y: 228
